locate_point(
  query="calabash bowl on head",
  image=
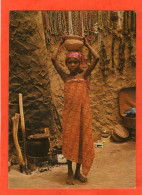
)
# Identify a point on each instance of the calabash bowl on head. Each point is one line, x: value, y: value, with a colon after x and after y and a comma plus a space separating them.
x: 73, y: 43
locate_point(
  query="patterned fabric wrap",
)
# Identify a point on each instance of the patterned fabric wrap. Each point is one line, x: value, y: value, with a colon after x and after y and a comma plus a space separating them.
x: 77, y: 139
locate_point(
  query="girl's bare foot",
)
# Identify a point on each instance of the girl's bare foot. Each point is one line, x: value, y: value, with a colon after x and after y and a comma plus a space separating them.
x: 80, y: 177
x: 70, y: 179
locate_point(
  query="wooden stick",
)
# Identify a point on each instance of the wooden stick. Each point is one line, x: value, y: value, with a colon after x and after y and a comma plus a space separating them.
x: 15, y: 120
x: 23, y: 126
x: 46, y: 132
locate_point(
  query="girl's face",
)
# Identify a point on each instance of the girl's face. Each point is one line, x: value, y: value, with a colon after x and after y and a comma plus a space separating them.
x: 73, y: 65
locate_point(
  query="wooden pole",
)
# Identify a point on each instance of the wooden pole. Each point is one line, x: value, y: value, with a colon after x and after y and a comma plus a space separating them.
x: 23, y: 126
x: 15, y: 120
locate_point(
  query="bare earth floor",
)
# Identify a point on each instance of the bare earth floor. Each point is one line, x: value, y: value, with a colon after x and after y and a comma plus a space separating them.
x: 114, y: 167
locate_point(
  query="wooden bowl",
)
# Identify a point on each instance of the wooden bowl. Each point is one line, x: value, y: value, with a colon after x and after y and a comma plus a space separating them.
x: 73, y: 43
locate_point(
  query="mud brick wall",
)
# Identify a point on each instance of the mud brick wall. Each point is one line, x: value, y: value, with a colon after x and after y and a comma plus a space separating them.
x: 29, y: 75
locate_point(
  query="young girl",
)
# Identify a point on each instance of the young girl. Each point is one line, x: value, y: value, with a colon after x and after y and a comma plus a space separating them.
x: 77, y: 140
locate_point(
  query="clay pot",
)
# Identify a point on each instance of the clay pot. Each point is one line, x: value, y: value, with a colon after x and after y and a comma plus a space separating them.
x: 73, y: 43
x: 38, y: 145
x: 105, y: 133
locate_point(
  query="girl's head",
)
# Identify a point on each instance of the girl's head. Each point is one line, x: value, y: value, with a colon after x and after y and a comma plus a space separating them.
x: 74, y: 62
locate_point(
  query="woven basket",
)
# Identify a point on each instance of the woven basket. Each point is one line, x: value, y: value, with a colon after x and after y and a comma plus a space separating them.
x: 116, y: 137
x: 73, y: 43
x: 120, y: 133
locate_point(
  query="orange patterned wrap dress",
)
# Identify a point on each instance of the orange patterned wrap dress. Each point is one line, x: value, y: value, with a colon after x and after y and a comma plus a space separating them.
x: 77, y: 139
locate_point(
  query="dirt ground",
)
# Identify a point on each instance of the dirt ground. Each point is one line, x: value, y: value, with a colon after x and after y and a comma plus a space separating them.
x: 114, y: 167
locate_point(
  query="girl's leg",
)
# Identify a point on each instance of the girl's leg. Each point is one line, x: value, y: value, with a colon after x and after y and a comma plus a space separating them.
x: 78, y: 175
x: 70, y: 178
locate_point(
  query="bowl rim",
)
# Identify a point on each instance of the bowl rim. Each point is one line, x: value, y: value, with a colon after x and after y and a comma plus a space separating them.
x: 74, y: 37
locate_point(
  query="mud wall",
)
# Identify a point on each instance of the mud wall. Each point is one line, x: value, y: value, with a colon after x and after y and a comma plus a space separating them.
x: 29, y: 75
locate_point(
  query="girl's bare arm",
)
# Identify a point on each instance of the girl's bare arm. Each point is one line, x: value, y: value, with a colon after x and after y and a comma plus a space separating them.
x: 55, y: 62
x: 96, y: 57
